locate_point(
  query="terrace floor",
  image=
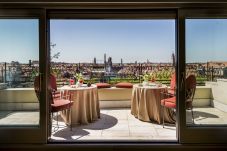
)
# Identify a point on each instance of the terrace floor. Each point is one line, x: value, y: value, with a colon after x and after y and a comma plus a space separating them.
x: 115, y: 124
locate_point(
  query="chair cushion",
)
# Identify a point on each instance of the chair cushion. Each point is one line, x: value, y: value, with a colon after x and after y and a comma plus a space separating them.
x: 61, y: 104
x: 170, y: 105
x: 124, y: 85
x: 103, y: 85
x: 169, y: 102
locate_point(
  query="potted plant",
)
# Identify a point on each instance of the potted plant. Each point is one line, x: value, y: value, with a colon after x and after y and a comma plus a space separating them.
x: 146, y: 78
x: 153, y: 76
x: 79, y: 78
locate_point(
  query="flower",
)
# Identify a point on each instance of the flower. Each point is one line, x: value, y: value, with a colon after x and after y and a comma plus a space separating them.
x: 79, y: 76
x: 153, y: 74
x: 146, y: 77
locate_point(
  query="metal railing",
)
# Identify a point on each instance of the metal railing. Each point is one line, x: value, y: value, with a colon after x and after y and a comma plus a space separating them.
x: 19, y: 74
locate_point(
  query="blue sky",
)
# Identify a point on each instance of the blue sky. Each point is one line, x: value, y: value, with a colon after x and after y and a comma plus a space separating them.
x: 19, y: 40
x: 131, y: 40
x: 206, y: 40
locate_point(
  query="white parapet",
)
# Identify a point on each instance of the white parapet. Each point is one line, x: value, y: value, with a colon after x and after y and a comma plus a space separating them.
x: 18, y: 99
x: 25, y: 98
x: 121, y: 97
x: 219, y: 94
x: 203, y: 96
x: 115, y: 97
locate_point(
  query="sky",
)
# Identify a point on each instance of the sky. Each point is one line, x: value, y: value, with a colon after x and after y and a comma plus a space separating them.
x: 19, y: 40
x: 206, y: 40
x: 131, y: 40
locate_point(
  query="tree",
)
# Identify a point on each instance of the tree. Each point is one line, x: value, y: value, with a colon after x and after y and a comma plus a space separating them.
x: 54, y: 56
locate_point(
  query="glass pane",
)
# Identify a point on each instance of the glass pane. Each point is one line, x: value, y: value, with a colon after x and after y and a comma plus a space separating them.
x: 19, y: 64
x: 120, y: 57
x: 206, y: 58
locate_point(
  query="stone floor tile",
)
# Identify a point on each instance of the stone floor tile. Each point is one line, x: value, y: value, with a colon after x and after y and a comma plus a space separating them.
x: 115, y: 133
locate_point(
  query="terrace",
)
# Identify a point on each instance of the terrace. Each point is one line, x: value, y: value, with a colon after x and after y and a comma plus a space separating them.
x: 116, y: 121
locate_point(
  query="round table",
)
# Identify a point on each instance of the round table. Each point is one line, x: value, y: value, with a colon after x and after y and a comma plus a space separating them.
x: 146, y: 104
x: 85, y: 108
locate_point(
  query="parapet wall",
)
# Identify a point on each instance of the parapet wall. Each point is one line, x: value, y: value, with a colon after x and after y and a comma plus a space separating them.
x: 219, y: 94
x: 25, y: 98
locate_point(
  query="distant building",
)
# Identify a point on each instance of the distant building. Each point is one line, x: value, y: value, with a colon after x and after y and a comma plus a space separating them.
x: 94, y: 62
x: 35, y: 63
x: 109, y: 66
x: 104, y: 61
x: 15, y: 63
x: 173, y: 59
x: 30, y: 63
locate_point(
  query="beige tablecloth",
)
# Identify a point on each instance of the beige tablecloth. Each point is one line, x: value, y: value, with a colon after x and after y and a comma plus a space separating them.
x: 85, y: 108
x: 146, y: 105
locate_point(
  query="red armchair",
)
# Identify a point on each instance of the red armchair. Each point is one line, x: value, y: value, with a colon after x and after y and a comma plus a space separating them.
x: 53, y: 85
x: 172, y: 89
x: 57, y: 103
x: 190, y: 91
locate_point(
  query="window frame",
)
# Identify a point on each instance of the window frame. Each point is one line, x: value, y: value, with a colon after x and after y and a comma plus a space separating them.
x: 193, y: 133
x: 30, y: 134
x: 118, y: 14
x: 186, y: 134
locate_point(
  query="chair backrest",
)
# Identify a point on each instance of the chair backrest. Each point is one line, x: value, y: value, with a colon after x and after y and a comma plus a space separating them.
x: 38, y: 91
x: 53, y: 83
x: 190, y: 90
x: 37, y: 87
x: 173, y: 82
x: 66, y: 94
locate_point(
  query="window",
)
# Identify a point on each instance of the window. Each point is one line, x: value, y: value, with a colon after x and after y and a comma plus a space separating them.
x: 23, y: 117
x: 117, y: 54
x: 19, y: 65
x: 201, y: 34
x: 206, y: 59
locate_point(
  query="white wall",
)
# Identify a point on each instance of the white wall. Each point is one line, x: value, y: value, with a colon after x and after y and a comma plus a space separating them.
x: 219, y: 94
x: 25, y: 98
x: 203, y: 96
x: 18, y: 99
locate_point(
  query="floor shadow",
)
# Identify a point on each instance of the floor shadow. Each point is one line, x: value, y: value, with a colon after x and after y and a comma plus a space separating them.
x: 203, y: 115
x: 67, y: 135
x: 105, y: 122
x: 4, y: 114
